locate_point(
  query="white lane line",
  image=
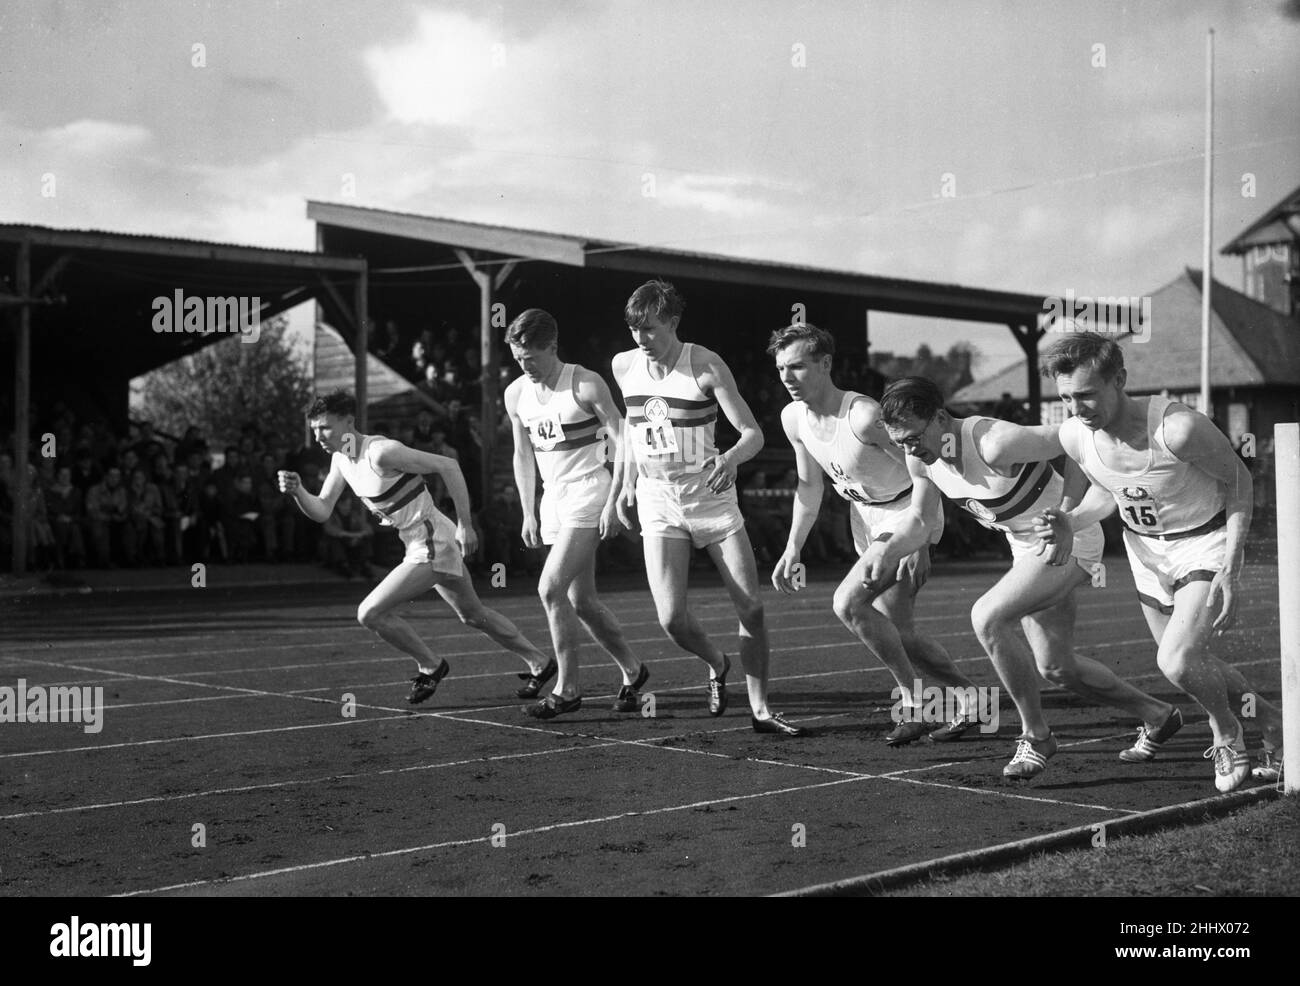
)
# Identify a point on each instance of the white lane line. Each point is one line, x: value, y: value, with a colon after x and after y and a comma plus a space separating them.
x: 273, y: 785
x: 538, y: 830
x: 1004, y: 794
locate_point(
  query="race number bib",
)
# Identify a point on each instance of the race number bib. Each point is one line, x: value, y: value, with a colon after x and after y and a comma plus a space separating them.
x: 846, y: 487
x: 1139, y: 510
x: 547, y: 431
x: 656, y: 435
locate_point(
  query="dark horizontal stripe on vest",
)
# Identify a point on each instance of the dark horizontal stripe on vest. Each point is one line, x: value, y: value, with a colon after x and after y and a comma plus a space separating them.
x: 678, y: 402
x: 1028, y: 473
x: 575, y: 425
x: 1213, y: 524
x: 572, y: 443
x: 893, y: 499
x: 398, y: 483
x: 1023, y: 504
x: 677, y: 422
x: 399, y: 503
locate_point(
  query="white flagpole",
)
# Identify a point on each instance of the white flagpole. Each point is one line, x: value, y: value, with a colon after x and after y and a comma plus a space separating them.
x: 1207, y: 255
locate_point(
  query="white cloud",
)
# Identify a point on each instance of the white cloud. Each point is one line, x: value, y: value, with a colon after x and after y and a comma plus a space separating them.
x: 451, y: 70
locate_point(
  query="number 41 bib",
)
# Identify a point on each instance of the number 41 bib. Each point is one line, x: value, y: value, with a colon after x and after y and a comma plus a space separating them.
x: 656, y: 435
x: 1139, y: 510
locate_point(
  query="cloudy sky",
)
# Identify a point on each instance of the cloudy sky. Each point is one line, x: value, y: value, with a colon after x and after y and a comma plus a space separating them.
x: 819, y: 133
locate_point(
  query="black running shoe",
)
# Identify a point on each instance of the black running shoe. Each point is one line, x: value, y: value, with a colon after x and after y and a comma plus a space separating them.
x: 907, y: 732
x: 628, y: 700
x: 775, y: 723
x: 536, y: 681
x: 423, y: 685
x: 718, y: 689
x: 552, y: 706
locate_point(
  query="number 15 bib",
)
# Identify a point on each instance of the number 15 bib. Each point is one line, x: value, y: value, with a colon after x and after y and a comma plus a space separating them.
x: 1139, y: 510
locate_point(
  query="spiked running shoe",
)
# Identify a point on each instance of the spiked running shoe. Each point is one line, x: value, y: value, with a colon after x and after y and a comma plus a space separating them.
x: 718, y: 689
x: 775, y: 723
x: 1031, y: 758
x: 1270, y: 766
x: 906, y: 732
x: 954, y: 730
x: 1231, y: 764
x: 533, y: 688
x: 629, y: 699
x: 1149, y: 741
x: 423, y: 685
x: 553, y: 705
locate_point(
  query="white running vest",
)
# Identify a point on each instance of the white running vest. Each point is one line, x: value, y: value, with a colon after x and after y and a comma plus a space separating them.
x: 564, y: 436
x: 861, y: 473
x: 398, y: 499
x: 1000, y: 503
x: 1166, y: 498
x: 670, y: 421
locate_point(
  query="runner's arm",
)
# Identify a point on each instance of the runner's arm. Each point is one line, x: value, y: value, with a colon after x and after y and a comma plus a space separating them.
x: 808, y: 494
x: 524, y: 460
x: 319, y: 508
x: 1196, y: 440
x: 716, y: 377
x: 1003, y: 444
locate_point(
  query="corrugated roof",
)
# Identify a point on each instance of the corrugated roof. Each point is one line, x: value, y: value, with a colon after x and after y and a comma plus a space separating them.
x: 335, y: 368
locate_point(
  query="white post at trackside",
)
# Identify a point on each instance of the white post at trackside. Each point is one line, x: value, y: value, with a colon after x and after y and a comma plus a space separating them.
x: 1286, y: 456
x: 1207, y: 248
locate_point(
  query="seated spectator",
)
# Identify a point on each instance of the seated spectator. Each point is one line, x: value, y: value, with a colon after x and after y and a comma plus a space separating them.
x: 145, y: 541
x: 224, y: 478
x: 433, y: 388
x: 419, y: 359
x: 66, y: 510
x: 85, y: 473
x: 211, y: 535
x: 186, y: 492
x: 348, y: 538
x: 107, y: 515
x: 388, y: 344
x: 241, y: 520
x: 307, y: 533
x: 275, y: 513
x: 192, y: 441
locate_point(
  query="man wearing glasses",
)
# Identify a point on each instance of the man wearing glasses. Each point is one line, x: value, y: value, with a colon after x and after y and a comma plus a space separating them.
x: 840, y: 433
x: 1001, y: 473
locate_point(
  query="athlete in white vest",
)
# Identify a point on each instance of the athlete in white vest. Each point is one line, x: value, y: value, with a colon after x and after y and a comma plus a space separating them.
x: 839, y: 433
x: 684, y: 488
x: 1185, y: 499
x: 565, y: 424
x: 389, y: 479
x: 1000, y: 473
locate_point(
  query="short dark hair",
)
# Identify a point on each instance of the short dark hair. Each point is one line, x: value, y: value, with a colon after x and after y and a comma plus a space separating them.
x: 911, y: 397
x: 341, y: 404
x: 653, y: 299
x: 823, y: 343
x: 532, y: 329
x: 1077, y: 349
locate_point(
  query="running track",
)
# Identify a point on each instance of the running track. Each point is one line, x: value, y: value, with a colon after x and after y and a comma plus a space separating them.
x: 224, y: 709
